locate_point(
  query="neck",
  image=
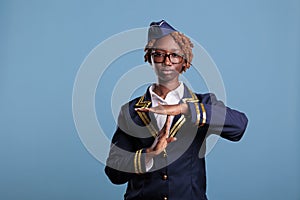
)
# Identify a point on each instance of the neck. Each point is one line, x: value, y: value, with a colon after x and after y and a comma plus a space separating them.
x: 162, y: 89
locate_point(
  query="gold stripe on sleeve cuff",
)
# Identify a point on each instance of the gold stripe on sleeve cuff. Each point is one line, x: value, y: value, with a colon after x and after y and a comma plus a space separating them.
x: 197, y: 111
x: 137, y: 162
x: 203, y: 114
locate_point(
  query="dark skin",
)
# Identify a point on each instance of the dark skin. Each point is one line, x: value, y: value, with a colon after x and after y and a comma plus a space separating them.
x: 167, y: 80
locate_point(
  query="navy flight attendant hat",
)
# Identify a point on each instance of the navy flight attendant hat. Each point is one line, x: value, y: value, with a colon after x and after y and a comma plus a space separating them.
x: 159, y: 30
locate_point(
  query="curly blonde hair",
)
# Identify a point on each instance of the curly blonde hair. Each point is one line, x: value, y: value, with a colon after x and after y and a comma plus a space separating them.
x: 184, y: 43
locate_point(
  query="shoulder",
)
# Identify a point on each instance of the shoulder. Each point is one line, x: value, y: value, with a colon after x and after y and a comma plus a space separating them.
x: 132, y: 104
x: 209, y: 98
x: 128, y: 109
x: 206, y: 97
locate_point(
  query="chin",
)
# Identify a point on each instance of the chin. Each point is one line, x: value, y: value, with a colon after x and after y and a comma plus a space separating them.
x: 166, y: 78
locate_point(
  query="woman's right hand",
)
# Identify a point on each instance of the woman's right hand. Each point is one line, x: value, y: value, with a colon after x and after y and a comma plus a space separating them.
x: 161, y: 141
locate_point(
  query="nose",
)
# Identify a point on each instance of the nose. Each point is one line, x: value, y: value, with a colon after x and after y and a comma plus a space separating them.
x: 167, y: 60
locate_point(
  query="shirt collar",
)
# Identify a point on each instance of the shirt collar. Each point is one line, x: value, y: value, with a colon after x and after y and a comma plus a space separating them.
x: 177, y: 93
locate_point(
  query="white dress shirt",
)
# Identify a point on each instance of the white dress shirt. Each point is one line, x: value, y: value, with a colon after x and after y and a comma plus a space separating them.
x: 172, y: 98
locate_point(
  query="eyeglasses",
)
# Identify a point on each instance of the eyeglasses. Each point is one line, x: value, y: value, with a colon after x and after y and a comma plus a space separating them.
x: 159, y: 56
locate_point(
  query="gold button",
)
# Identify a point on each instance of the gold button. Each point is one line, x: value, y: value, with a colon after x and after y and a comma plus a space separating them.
x: 165, y: 177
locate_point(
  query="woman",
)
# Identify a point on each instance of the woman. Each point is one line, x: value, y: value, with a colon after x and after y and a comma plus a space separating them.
x: 159, y: 145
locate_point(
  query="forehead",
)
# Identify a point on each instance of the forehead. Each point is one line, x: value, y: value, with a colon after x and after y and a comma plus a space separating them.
x: 167, y: 43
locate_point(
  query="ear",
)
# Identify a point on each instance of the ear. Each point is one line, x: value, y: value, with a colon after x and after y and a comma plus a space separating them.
x: 184, y: 66
x: 147, y: 57
x: 182, y: 69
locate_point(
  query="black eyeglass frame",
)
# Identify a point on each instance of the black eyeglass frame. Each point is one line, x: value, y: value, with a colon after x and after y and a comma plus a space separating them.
x: 167, y: 54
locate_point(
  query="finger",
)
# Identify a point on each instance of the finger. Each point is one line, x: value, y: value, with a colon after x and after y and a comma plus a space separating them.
x: 167, y: 126
x: 171, y: 139
x: 152, y: 109
x: 142, y: 109
x: 167, y: 123
x: 160, y: 109
x: 161, y: 145
x: 164, y: 132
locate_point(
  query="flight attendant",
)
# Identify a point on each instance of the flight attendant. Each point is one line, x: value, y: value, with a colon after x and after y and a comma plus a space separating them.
x: 158, y: 148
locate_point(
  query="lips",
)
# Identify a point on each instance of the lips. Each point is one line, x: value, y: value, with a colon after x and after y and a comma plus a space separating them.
x: 167, y: 71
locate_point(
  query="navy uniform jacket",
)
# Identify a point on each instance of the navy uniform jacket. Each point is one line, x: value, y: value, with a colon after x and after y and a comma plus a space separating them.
x: 179, y: 172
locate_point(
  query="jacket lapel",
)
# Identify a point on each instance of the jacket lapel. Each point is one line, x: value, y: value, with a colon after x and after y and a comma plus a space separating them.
x: 145, y: 102
x: 146, y: 118
x: 180, y: 119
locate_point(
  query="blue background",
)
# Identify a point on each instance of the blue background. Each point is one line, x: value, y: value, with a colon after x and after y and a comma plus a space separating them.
x: 255, y: 44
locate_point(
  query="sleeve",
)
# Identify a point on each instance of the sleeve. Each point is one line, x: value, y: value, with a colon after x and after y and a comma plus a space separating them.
x: 219, y: 119
x: 124, y: 160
